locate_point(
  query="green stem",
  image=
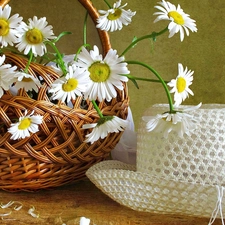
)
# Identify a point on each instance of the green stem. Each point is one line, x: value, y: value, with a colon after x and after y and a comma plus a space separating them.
x: 108, y: 4
x: 79, y: 50
x: 160, y: 80
x: 97, y: 109
x: 144, y: 79
x: 29, y: 61
x: 84, y: 38
x: 85, y: 29
x: 153, y: 35
x: 59, y: 57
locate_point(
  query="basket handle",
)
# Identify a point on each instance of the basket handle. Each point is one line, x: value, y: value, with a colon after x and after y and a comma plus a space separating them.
x: 103, y: 35
x: 4, y: 2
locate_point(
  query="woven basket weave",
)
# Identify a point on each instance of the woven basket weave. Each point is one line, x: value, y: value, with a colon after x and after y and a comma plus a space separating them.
x: 57, y: 153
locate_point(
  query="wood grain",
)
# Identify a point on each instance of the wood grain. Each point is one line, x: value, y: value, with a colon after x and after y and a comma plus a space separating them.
x: 68, y: 203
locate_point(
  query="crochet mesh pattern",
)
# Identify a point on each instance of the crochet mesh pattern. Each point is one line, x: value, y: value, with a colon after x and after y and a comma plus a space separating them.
x: 147, y: 193
x: 182, y: 176
x: 198, y: 158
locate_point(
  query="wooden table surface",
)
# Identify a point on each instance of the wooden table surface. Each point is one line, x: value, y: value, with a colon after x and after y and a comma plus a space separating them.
x: 68, y: 203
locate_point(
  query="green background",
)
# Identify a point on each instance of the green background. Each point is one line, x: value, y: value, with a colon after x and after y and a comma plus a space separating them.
x: 202, y: 52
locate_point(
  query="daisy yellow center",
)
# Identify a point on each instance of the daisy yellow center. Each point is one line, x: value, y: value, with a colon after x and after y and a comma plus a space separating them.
x: 99, y: 72
x: 177, y: 17
x: 181, y: 84
x: 70, y: 85
x: 24, y: 124
x: 4, y: 27
x: 34, y: 36
x: 116, y: 15
x: 25, y: 79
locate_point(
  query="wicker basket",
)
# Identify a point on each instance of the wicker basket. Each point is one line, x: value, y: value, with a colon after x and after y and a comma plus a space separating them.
x: 57, y: 154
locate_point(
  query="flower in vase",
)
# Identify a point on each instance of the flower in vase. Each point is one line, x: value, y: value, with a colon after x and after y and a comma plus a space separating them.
x: 8, y: 26
x: 6, y: 75
x: 33, y: 35
x: 114, y: 18
x: 105, y: 74
x: 180, y: 122
x: 27, y: 124
x: 26, y: 81
x: 180, y: 21
x: 70, y: 86
x: 104, y: 126
x: 180, y: 85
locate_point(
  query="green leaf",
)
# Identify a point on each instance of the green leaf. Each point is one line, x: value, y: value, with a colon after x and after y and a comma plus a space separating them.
x: 133, y: 40
x: 61, y: 35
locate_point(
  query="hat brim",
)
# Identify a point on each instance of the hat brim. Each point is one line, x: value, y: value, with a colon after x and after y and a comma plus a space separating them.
x: 143, y: 192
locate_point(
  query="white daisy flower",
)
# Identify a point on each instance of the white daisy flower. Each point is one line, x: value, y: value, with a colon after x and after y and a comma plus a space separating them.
x: 180, y: 21
x: 26, y: 81
x: 114, y: 19
x: 179, y: 121
x: 33, y: 35
x: 180, y: 85
x: 105, y: 74
x: 71, y: 85
x: 8, y: 26
x: 105, y: 125
x: 7, y: 73
x: 27, y: 124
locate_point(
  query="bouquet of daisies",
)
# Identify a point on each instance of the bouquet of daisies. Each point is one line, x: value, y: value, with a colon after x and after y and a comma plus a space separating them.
x: 90, y: 75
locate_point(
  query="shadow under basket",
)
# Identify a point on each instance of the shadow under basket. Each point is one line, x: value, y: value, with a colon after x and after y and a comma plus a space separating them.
x: 57, y: 153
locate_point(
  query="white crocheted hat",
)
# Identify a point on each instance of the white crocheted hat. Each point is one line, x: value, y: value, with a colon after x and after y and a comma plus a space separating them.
x: 173, y: 175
